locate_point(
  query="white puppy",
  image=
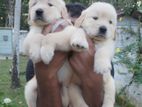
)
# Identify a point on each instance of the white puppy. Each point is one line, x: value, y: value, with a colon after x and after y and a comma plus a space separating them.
x: 44, y: 12
x: 41, y: 12
x: 99, y: 22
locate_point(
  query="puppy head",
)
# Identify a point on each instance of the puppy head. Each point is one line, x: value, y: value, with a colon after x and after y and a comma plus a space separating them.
x: 99, y: 21
x: 42, y: 12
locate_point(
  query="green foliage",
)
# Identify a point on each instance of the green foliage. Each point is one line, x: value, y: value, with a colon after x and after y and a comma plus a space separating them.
x: 24, y: 15
x: 123, y: 101
x: 3, y: 12
x: 128, y: 6
x: 133, y: 64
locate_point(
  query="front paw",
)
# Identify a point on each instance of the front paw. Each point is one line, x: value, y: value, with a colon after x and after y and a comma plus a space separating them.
x: 102, y: 66
x: 46, y: 54
x: 79, y: 45
x: 34, y: 54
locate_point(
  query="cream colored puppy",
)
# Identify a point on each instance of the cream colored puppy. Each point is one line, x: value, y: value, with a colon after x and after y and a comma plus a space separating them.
x: 44, y: 12
x: 99, y: 22
x: 41, y: 12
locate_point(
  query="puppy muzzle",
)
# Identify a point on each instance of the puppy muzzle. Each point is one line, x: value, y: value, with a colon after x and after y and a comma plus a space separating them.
x: 39, y: 15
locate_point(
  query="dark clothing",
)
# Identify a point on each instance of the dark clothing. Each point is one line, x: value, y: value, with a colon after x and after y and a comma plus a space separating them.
x: 29, y: 70
x: 112, y: 70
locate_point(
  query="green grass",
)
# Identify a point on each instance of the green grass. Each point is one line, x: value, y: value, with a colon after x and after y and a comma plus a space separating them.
x: 16, y: 95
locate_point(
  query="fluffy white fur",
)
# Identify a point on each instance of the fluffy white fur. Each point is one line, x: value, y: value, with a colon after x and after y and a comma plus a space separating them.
x: 74, y: 38
x: 32, y: 43
x: 97, y: 15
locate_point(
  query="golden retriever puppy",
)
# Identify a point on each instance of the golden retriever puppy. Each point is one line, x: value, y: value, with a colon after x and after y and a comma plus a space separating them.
x: 41, y: 12
x: 99, y: 22
x: 39, y: 47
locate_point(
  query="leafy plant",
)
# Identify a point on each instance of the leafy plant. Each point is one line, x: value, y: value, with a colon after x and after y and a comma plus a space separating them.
x: 134, y: 64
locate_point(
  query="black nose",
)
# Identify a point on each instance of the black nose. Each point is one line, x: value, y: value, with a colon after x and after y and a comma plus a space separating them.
x: 102, y: 29
x: 39, y: 12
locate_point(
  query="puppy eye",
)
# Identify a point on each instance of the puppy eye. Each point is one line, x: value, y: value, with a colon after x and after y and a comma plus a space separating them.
x: 50, y: 4
x: 110, y: 22
x: 95, y: 18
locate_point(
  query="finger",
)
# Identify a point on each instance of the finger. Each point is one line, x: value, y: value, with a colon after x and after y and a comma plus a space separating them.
x: 91, y: 47
x: 59, y: 57
x: 76, y: 59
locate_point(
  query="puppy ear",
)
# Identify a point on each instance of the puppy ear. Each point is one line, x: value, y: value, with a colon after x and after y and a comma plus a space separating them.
x: 80, y: 20
x: 64, y: 13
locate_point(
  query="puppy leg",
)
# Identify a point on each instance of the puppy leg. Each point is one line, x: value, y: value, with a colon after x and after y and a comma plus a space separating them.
x: 109, y: 90
x: 47, y: 53
x: 52, y: 42
x: 31, y: 46
x: 78, y: 40
x: 34, y: 53
x: 103, y: 58
x: 76, y: 97
x: 31, y: 92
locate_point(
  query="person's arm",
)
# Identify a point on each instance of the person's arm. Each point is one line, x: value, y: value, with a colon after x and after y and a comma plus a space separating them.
x: 92, y: 83
x: 48, y: 86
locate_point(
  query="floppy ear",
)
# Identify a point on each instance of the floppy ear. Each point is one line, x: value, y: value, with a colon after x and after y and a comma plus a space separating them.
x: 64, y: 13
x: 80, y: 20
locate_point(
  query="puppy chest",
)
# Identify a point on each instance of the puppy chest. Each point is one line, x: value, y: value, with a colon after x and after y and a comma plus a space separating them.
x: 65, y: 73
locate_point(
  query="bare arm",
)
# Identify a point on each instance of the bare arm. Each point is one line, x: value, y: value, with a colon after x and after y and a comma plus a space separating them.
x: 92, y: 83
x: 48, y: 86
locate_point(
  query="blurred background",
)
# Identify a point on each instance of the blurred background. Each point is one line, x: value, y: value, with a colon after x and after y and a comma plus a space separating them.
x: 127, y: 61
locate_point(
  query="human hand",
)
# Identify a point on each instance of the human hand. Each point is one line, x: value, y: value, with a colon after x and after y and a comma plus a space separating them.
x: 48, y: 85
x: 83, y: 62
x: 91, y: 82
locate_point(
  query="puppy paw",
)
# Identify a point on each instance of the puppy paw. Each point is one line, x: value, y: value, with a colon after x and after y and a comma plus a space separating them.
x: 34, y: 54
x: 46, y: 54
x: 79, y: 45
x: 102, y: 66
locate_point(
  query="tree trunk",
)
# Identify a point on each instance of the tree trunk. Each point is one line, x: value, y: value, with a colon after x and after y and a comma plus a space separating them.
x: 15, y: 83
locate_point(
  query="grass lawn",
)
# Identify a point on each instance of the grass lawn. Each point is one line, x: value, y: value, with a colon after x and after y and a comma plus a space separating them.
x: 16, y: 95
